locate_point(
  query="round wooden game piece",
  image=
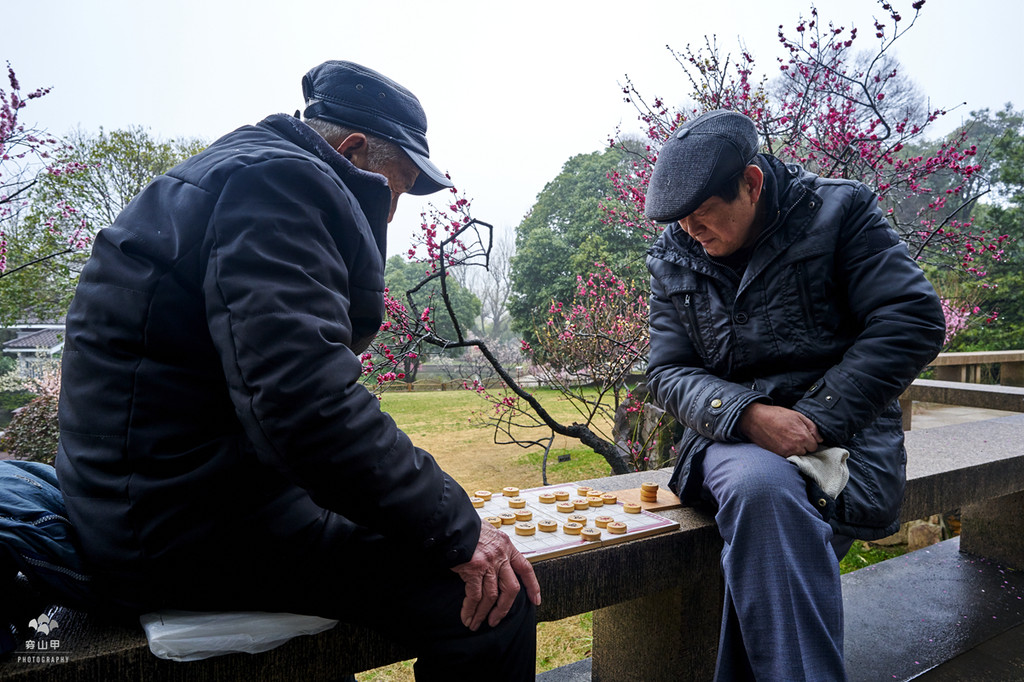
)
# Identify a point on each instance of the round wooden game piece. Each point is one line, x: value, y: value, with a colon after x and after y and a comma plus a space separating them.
x: 594, y: 493
x: 507, y: 518
x: 577, y: 518
x: 493, y: 520
x: 523, y: 514
x: 547, y: 525
x: 477, y: 501
x: 617, y: 527
x: 581, y: 503
x: 595, y: 501
x: 648, y: 497
x: 561, y: 495
x: 565, y: 507
x: 516, y: 502
x: 510, y: 491
x: 572, y: 528
x: 525, y: 528
x: 602, y: 521
x: 649, y: 487
x: 546, y: 498
x: 609, y: 498
x: 591, y: 534
x: 484, y: 495
x: 582, y: 490
x: 631, y: 507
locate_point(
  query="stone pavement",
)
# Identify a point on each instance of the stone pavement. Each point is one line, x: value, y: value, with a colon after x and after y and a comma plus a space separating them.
x: 930, y: 415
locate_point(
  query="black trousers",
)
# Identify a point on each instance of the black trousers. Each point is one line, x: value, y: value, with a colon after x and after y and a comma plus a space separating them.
x: 330, y: 567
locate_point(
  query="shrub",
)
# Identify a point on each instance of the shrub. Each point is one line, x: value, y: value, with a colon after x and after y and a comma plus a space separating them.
x: 32, y: 433
x: 12, y: 400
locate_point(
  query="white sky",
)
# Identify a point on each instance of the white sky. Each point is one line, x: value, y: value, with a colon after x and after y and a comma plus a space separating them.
x: 511, y: 90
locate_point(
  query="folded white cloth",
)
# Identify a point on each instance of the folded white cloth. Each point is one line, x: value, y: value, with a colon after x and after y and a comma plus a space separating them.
x: 192, y: 636
x: 826, y: 467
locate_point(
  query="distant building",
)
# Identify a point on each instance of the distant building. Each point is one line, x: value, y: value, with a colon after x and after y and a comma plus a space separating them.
x: 36, y: 346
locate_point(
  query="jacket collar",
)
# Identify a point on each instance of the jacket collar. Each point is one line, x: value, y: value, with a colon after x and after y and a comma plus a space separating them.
x: 370, y: 189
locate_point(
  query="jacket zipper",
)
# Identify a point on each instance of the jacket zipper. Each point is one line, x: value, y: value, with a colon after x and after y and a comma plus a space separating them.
x: 691, y: 312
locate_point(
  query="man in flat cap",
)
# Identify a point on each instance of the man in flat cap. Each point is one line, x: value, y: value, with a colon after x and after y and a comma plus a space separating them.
x: 217, y: 450
x: 786, y: 320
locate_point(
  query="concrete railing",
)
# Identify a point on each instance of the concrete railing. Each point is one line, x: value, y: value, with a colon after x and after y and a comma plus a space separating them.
x: 957, y: 382
x: 981, y: 396
x: 966, y: 367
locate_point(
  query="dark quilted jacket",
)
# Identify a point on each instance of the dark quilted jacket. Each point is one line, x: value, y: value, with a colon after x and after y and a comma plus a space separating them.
x: 210, y: 376
x: 831, y: 318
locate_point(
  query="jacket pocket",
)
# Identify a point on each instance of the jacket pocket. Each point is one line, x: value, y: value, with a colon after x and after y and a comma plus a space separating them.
x: 803, y: 287
x: 687, y: 304
x: 806, y: 282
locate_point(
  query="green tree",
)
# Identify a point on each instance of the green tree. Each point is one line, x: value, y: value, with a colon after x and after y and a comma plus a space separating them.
x: 118, y: 165
x: 65, y: 210
x: 999, y: 324
x: 565, y: 233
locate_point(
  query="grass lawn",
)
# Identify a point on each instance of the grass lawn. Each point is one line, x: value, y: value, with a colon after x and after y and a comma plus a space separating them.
x: 443, y: 424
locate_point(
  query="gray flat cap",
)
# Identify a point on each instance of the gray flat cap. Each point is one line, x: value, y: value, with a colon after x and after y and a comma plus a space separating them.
x: 699, y: 157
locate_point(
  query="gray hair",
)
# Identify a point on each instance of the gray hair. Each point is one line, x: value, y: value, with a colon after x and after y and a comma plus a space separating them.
x: 379, y: 152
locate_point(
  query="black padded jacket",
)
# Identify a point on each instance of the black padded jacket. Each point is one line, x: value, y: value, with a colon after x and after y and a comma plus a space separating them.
x: 210, y: 373
x: 830, y: 317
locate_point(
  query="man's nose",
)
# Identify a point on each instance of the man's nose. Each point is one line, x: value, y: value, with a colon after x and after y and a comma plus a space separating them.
x: 690, y: 226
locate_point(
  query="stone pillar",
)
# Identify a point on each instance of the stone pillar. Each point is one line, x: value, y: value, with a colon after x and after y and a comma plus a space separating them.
x: 1011, y: 373
x: 951, y: 373
x: 907, y: 407
x: 994, y: 529
x: 671, y: 635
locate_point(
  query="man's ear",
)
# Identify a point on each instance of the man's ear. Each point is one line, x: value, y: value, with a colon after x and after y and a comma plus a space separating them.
x: 354, y: 149
x: 754, y: 177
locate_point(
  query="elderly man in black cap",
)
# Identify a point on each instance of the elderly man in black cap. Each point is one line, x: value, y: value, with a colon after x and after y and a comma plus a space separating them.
x: 217, y: 450
x: 786, y: 320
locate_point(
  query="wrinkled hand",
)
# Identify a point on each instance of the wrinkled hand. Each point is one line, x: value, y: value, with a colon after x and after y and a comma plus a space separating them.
x: 490, y: 577
x: 780, y: 430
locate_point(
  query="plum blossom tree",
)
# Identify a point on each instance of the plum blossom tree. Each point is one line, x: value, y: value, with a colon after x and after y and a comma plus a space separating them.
x: 839, y: 113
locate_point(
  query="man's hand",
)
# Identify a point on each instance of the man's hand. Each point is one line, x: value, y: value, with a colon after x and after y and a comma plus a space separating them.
x: 780, y: 430
x: 490, y: 577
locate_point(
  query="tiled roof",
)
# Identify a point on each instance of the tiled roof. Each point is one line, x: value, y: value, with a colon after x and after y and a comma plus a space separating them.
x: 45, y: 338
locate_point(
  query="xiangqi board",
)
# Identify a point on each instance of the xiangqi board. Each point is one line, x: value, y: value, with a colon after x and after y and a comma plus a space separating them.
x: 589, y: 524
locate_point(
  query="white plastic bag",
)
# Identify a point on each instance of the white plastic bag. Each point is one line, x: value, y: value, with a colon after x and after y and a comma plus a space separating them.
x: 195, y: 635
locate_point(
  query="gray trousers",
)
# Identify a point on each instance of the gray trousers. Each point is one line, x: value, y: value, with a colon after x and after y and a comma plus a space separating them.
x: 783, y: 616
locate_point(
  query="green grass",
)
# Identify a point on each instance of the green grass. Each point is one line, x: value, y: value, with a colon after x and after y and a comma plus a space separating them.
x: 863, y: 554
x: 583, y: 464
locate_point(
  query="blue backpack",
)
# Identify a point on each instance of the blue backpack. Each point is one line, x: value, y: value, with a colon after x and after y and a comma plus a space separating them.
x: 36, y: 537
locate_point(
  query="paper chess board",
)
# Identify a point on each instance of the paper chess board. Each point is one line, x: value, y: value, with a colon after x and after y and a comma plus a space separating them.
x: 544, y: 545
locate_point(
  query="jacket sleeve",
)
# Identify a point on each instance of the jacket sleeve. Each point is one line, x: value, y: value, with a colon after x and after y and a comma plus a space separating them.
x: 278, y: 298
x: 676, y: 377
x: 899, y: 315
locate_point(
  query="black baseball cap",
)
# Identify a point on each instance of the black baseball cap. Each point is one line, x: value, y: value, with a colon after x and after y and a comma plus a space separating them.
x: 698, y: 158
x: 354, y: 96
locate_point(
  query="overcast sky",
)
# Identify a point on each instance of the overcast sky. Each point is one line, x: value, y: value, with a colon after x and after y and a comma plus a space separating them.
x: 511, y: 90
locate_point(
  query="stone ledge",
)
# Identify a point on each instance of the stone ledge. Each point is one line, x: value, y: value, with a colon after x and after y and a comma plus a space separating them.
x: 985, y: 396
